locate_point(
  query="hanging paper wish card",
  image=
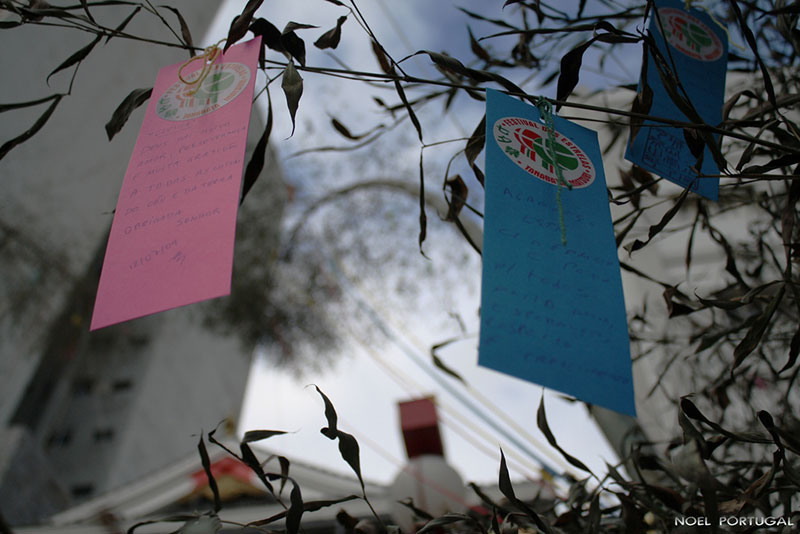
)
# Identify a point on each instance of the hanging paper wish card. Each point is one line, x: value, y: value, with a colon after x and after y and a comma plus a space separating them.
x: 171, y: 242
x: 551, y: 313
x: 698, y: 49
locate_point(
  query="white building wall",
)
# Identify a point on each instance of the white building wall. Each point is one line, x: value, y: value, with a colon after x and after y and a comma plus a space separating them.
x: 192, y: 382
x: 124, y: 401
x: 663, y: 376
x: 60, y: 187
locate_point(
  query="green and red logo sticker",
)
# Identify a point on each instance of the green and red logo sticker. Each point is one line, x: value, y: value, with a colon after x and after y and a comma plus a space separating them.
x: 690, y: 36
x: 222, y: 85
x: 527, y: 144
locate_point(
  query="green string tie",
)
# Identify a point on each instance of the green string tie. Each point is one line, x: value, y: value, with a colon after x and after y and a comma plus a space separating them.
x: 546, y: 111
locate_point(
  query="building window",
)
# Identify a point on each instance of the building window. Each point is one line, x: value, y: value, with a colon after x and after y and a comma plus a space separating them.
x: 121, y: 385
x: 82, y: 490
x: 82, y: 386
x: 60, y: 438
x: 103, y: 434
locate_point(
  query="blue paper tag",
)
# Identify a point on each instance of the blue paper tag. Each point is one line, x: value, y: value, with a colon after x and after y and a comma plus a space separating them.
x: 699, y: 50
x: 551, y: 314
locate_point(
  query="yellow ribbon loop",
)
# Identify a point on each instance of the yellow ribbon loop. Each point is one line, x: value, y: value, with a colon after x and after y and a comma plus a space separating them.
x: 208, y: 57
x: 724, y: 29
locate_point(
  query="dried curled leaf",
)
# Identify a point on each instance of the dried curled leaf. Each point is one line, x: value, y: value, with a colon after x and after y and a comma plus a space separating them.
x: 292, y: 43
x: 476, y: 48
x: 123, y: 24
x: 383, y: 60
x: 570, y: 70
x: 476, y: 141
x: 30, y: 132
x: 331, y: 38
x: 295, y: 512
x: 201, y: 448
x: 756, y: 331
x: 507, y: 489
x: 257, y: 435
x: 270, y: 34
x: 76, y: 58
x: 660, y: 225
x: 308, y: 506
x: 185, y: 33
x: 348, y: 446
x: 292, y: 85
x: 256, y: 163
x: 541, y: 422
x: 458, y: 196
x: 135, y: 98
x: 794, y: 350
x: 241, y: 23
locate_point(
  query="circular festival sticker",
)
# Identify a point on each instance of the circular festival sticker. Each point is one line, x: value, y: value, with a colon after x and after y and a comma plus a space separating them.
x: 527, y: 144
x: 690, y: 36
x: 221, y: 86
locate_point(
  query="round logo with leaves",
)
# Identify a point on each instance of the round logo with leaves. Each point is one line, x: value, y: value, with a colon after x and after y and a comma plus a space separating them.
x: 690, y: 36
x: 222, y: 85
x: 527, y: 144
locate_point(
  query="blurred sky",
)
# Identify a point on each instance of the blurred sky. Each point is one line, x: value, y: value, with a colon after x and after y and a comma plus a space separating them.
x: 369, y: 379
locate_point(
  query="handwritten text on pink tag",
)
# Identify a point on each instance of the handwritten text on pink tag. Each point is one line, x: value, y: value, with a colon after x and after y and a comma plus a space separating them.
x: 172, y: 238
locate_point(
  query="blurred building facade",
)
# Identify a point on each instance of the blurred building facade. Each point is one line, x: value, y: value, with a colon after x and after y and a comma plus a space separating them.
x: 182, y: 490
x: 85, y: 413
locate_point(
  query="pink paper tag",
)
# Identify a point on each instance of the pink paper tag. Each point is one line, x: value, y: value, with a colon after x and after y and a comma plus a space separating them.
x: 171, y: 241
